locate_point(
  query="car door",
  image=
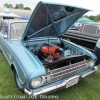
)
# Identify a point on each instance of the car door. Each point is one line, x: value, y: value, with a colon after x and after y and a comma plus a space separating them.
x: 4, y: 40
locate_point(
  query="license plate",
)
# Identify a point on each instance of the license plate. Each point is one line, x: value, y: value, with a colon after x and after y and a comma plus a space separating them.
x: 72, y: 82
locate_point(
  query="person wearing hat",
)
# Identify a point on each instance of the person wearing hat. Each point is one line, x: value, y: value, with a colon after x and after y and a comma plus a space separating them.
x: 97, y: 52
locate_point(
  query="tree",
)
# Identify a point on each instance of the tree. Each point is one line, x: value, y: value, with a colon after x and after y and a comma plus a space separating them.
x: 97, y: 17
x: 8, y: 5
x: 19, y: 6
x: 27, y: 8
x: 92, y: 17
x: 11, y: 6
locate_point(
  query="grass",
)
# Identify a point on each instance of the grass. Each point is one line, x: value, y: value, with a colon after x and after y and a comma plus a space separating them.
x: 87, y: 89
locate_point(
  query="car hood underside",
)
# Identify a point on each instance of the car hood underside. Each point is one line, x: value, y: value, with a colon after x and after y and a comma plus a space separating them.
x: 51, y: 20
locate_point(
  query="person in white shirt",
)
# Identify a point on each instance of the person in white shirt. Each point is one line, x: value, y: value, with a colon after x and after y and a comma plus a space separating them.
x: 97, y: 52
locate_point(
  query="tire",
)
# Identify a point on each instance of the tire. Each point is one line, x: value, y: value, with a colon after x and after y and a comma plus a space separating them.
x: 18, y: 82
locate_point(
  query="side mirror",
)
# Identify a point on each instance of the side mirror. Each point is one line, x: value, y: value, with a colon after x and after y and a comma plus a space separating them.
x: 5, y: 36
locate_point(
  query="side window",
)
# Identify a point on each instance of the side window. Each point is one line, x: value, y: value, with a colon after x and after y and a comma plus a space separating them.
x: 90, y: 29
x: 0, y: 26
x: 4, y: 28
x: 2, y: 31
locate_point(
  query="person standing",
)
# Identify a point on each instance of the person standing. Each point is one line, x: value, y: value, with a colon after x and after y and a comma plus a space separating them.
x: 97, y: 52
x: 80, y: 26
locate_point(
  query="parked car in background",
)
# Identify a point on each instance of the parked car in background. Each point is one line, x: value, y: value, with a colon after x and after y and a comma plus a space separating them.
x: 78, y: 24
x: 41, y: 59
x: 87, y: 36
x: 73, y: 27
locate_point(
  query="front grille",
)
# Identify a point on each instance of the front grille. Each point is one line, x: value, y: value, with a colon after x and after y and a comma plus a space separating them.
x: 66, y: 71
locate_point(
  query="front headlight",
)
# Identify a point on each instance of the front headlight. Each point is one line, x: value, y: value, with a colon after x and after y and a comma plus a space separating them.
x: 36, y: 82
x: 92, y: 62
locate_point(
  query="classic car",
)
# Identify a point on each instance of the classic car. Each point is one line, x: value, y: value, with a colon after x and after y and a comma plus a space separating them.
x: 87, y: 36
x: 41, y: 59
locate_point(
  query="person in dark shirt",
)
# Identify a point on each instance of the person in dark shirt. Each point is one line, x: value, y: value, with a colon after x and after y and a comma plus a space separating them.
x: 97, y: 52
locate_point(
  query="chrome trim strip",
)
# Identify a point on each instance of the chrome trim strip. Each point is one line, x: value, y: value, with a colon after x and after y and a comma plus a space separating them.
x: 86, y: 74
x: 56, y: 86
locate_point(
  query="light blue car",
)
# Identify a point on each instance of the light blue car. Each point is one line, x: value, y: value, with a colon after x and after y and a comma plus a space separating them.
x: 41, y: 59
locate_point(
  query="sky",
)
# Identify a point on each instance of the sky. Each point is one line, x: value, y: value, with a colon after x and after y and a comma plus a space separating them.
x: 90, y: 4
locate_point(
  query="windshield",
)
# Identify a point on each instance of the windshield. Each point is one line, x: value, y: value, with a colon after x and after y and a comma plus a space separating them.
x: 17, y: 30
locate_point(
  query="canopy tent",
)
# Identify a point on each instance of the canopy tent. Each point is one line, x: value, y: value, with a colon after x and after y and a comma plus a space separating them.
x: 7, y: 13
x: 24, y: 17
x: 84, y: 19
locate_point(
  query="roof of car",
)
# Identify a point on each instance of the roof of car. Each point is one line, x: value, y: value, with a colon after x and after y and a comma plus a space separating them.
x: 91, y: 23
x: 14, y: 20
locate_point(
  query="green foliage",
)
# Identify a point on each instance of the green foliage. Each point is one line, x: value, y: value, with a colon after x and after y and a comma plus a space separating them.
x: 17, y: 6
x: 95, y: 18
x: 27, y: 8
x: 8, y: 5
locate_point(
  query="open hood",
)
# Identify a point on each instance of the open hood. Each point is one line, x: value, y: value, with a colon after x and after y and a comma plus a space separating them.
x: 51, y: 19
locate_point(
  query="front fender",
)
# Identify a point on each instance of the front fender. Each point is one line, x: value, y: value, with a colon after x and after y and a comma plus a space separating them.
x: 27, y: 65
x: 81, y: 48
x: 21, y: 75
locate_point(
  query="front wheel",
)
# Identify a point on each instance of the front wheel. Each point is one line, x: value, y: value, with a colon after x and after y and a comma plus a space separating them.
x: 17, y: 81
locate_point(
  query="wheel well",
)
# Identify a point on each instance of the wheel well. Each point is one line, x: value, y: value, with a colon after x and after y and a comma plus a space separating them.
x: 12, y: 67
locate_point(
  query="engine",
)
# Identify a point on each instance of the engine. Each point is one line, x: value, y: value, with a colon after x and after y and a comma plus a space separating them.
x: 49, y: 53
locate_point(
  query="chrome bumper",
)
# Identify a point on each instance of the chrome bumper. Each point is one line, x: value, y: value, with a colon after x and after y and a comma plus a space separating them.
x: 46, y: 90
x: 90, y: 72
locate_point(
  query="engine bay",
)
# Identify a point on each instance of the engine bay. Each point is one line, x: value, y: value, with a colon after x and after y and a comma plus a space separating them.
x: 49, y: 53
x: 54, y: 55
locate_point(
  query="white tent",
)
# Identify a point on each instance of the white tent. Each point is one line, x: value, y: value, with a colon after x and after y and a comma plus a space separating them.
x: 7, y: 13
